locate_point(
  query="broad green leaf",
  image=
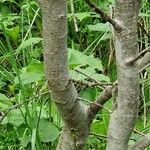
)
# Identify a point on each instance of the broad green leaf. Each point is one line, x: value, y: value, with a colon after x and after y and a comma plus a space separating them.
x: 103, y: 27
x: 28, y: 42
x: 77, y: 58
x: 29, y: 77
x: 4, y: 102
x: 90, y: 72
x: 101, y: 77
x: 47, y: 131
x: 36, y: 66
x: 89, y: 93
x: 81, y: 16
x: 15, y: 117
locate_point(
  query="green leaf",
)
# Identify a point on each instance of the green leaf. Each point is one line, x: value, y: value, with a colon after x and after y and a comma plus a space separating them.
x: 25, y: 138
x: 90, y: 72
x: 77, y: 58
x: 103, y: 27
x: 15, y: 118
x: 81, y: 16
x: 29, y: 77
x: 28, y: 42
x: 13, y: 33
x: 47, y: 131
x: 89, y: 93
x: 4, y: 102
x: 36, y: 66
x: 101, y: 77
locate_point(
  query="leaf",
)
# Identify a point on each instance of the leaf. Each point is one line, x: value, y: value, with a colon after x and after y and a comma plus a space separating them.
x: 29, y: 77
x: 28, y: 42
x: 15, y: 118
x: 103, y: 27
x: 101, y: 77
x: 13, y: 33
x: 25, y: 138
x: 77, y: 58
x: 36, y: 66
x: 81, y: 16
x: 47, y: 131
x: 4, y: 102
x: 89, y: 93
x: 89, y: 71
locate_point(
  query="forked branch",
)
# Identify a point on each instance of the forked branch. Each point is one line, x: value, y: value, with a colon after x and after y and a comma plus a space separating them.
x: 141, y: 54
x: 104, y: 16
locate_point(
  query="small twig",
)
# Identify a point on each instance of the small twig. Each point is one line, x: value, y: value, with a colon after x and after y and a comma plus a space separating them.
x: 90, y: 84
x: 141, y: 54
x: 100, y: 136
x: 144, y: 68
x: 138, y: 132
x: 102, y: 106
x: 143, y: 30
x: 19, y: 105
x: 99, y: 102
x: 96, y: 83
x: 103, y: 15
x: 12, y: 108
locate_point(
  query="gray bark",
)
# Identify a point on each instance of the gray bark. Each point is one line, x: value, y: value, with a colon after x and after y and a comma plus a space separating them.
x: 76, y: 116
x: 123, y: 119
x: 141, y: 144
x: 63, y: 91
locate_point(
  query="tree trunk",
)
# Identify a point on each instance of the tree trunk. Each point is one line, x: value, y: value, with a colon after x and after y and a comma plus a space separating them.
x: 77, y: 116
x: 123, y: 119
x: 63, y: 91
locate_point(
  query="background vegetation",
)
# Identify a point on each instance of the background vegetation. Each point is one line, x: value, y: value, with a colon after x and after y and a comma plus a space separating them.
x: 28, y: 117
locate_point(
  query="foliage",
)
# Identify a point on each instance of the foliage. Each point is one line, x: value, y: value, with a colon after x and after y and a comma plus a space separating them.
x: 31, y: 120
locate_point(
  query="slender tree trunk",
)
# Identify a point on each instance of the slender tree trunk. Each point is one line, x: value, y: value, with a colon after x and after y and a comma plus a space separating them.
x: 124, y: 117
x: 63, y: 91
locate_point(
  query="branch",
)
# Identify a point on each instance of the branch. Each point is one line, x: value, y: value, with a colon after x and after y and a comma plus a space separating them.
x: 144, y: 61
x: 143, y: 30
x: 99, y: 102
x: 103, y: 15
x: 94, y: 82
x: 73, y: 112
x: 141, y: 144
x: 140, y: 55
